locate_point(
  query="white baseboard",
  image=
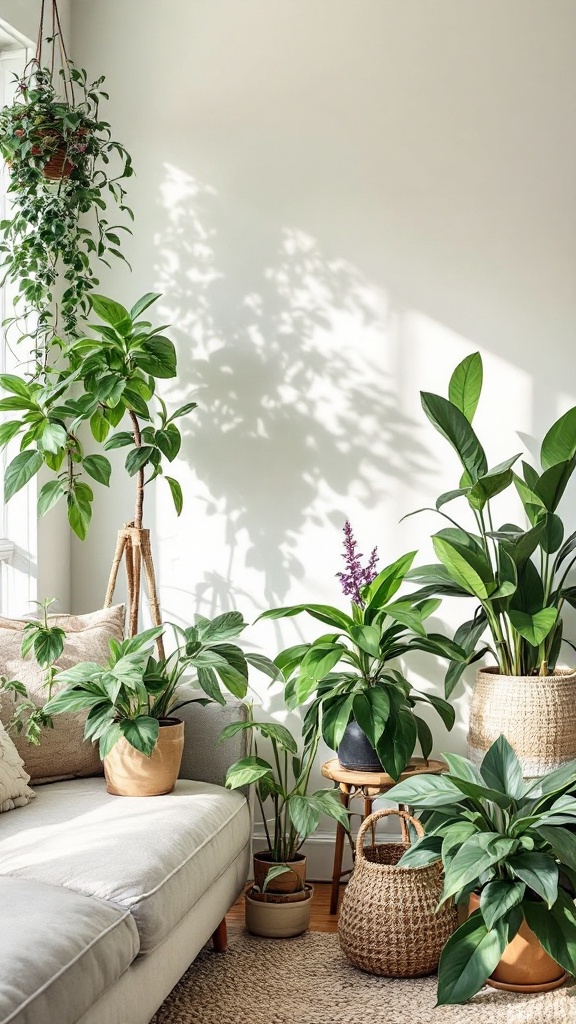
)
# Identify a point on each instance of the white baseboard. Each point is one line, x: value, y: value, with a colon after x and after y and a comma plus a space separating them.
x: 319, y: 850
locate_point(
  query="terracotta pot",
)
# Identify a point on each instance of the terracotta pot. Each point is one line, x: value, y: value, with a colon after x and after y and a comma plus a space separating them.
x: 290, y: 881
x: 130, y: 773
x: 525, y: 966
x: 537, y: 714
x: 278, y: 920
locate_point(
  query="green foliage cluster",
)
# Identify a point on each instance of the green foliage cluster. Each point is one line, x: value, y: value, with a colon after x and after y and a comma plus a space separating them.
x: 46, y: 644
x: 512, y: 841
x: 56, y: 227
x: 517, y: 573
x: 108, y: 374
x: 281, y: 783
x: 347, y: 672
x: 134, y: 691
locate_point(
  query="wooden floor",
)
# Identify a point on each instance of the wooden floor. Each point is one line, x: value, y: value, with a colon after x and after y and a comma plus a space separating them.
x: 321, y: 920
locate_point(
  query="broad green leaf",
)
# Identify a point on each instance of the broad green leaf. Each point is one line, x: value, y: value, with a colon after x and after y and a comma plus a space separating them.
x: 16, y: 386
x: 141, y: 733
x: 99, y: 426
x: 461, y: 569
x: 498, y: 897
x: 48, y: 645
x: 468, y: 959
x: 559, y: 444
x: 424, y: 737
x: 476, y: 855
x: 108, y: 310
x: 335, y: 718
x: 534, y: 628
x: 321, y: 659
x: 444, y: 709
x: 421, y: 853
x: 462, y: 768
x: 224, y: 626
x: 553, y: 483
x: 387, y: 582
x: 79, y: 516
x: 324, y: 612
x: 328, y: 801
x: 22, y: 468
x: 466, y: 385
x: 501, y: 769
x: 157, y: 357
x: 453, y: 425
x: 304, y: 814
x: 558, y: 781
x: 169, y: 441
x: 367, y: 638
x: 379, y: 702
x: 492, y: 483
x: 8, y: 431
x: 396, y: 746
x: 176, y: 492
x: 246, y: 771
x: 98, y: 467
x: 481, y: 792
x: 539, y: 871
x: 138, y: 458
x: 119, y: 440
x: 143, y: 303
x: 427, y: 791
x: 209, y: 683
x: 362, y: 710
x: 562, y: 842
x: 404, y: 612
x: 50, y: 495
x: 556, y: 928
x: 71, y: 700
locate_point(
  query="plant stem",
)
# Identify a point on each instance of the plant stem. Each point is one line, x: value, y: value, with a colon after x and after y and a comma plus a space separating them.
x: 139, y: 506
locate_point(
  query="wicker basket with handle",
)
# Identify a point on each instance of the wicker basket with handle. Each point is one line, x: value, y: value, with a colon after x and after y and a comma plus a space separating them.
x: 388, y: 923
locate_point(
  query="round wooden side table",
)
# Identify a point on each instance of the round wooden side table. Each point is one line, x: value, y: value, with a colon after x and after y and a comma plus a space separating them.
x: 369, y: 785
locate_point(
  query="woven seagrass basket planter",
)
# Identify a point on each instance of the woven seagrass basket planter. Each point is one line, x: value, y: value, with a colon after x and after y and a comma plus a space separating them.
x: 536, y: 714
x: 387, y: 923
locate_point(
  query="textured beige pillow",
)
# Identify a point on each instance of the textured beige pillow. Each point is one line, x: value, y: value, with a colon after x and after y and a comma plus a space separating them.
x: 13, y: 789
x: 62, y: 753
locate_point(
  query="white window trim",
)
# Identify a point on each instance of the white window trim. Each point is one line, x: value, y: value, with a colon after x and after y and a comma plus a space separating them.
x: 18, y: 519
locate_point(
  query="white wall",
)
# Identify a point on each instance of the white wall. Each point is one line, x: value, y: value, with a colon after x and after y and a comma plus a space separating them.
x: 338, y: 200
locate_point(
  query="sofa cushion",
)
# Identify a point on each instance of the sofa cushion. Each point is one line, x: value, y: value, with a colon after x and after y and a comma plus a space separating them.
x: 14, y: 791
x: 61, y: 754
x: 154, y: 856
x: 59, y: 951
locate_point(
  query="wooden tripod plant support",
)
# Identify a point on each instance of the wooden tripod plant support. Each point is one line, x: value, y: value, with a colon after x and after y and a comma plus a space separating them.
x: 133, y: 546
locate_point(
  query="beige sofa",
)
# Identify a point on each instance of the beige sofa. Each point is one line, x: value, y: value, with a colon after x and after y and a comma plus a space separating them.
x: 105, y: 901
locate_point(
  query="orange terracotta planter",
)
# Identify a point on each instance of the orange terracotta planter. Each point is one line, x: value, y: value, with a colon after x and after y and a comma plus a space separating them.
x: 525, y: 966
x: 290, y: 881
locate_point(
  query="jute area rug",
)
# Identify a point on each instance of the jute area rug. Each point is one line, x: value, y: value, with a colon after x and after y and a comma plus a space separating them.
x: 307, y: 980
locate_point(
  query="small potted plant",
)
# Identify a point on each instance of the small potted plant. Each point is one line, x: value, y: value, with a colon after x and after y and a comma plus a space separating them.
x: 508, y: 848
x: 64, y: 167
x: 362, y: 705
x: 132, y: 701
x: 516, y: 574
x: 278, y: 904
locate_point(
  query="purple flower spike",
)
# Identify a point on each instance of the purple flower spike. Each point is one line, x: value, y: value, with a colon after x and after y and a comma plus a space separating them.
x: 356, y: 576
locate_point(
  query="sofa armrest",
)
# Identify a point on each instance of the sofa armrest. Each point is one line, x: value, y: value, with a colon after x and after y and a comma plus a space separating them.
x: 204, y: 758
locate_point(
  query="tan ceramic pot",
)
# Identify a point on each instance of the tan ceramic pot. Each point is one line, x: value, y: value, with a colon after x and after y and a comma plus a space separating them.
x: 278, y: 920
x: 525, y: 966
x: 290, y: 881
x: 130, y: 773
x: 537, y: 714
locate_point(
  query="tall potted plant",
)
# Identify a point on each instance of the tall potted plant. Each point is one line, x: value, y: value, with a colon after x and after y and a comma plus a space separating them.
x: 508, y: 850
x: 516, y: 574
x: 278, y: 904
x: 347, y: 676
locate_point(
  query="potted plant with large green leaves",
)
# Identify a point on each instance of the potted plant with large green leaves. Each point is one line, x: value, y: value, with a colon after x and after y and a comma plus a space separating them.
x: 518, y: 576
x: 65, y: 169
x: 132, y: 700
x: 348, y: 673
x: 508, y: 848
x: 108, y: 375
x: 278, y: 903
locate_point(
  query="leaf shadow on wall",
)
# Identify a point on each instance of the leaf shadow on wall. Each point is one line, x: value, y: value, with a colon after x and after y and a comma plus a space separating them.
x: 297, y: 416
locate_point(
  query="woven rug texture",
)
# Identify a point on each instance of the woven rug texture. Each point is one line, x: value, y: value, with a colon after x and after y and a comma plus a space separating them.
x: 307, y: 980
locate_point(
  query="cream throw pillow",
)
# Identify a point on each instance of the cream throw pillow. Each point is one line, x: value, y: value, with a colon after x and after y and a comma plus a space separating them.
x: 62, y: 753
x: 13, y: 789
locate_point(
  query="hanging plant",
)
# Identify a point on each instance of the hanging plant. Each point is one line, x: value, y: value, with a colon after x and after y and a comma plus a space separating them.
x: 65, y: 171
